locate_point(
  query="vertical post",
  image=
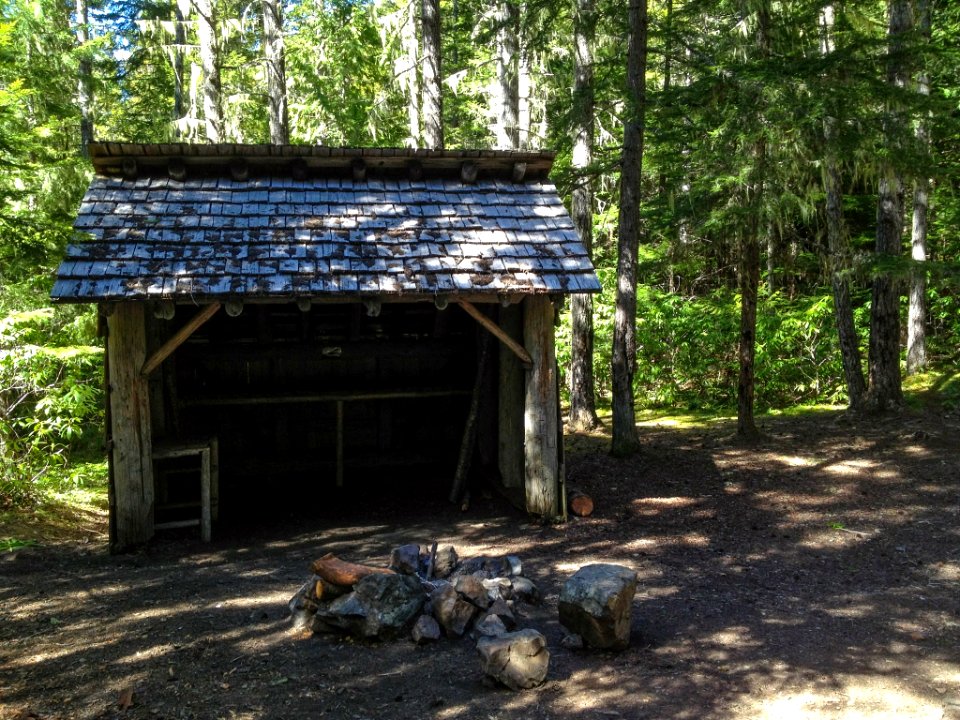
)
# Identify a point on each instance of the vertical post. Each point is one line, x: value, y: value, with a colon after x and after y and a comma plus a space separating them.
x: 510, y: 389
x: 541, y: 456
x: 205, y: 531
x: 339, y: 443
x: 132, y: 450
x: 215, y: 478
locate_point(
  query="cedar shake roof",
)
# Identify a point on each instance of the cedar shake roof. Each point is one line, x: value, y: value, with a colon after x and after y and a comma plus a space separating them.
x: 215, y: 222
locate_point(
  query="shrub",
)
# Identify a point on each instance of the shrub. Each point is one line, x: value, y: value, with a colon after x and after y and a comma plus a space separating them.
x: 51, y: 398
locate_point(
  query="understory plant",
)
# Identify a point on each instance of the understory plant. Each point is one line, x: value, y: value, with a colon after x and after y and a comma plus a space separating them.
x: 51, y: 399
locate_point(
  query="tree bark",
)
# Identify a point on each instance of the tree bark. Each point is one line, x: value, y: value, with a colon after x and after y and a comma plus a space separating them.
x: 523, y: 97
x: 210, y: 62
x: 917, y: 315
x: 85, y: 77
x: 411, y: 85
x: 179, y: 44
x: 625, y: 440
x: 342, y: 573
x: 276, y: 72
x: 838, y: 244
x: 884, y: 389
x: 583, y: 411
x: 749, y: 280
x: 508, y: 105
x: 749, y: 271
x: 432, y: 105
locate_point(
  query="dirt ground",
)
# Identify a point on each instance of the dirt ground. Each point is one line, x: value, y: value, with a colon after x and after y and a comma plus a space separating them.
x: 813, y: 575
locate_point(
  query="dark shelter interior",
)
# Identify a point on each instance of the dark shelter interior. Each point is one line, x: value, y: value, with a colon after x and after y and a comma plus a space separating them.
x: 310, y: 407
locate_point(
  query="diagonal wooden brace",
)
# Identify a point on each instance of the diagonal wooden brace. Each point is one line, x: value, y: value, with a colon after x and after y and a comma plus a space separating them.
x: 498, y: 332
x: 153, y: 362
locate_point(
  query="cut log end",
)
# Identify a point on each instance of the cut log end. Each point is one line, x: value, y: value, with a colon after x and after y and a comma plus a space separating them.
x: 580, y: 503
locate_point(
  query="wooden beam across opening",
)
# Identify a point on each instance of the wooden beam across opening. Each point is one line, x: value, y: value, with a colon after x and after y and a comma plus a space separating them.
x: 498, y: 332
x: 179, y: 338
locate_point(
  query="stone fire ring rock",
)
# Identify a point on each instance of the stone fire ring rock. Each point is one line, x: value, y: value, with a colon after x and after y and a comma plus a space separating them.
x: 380, y: 606
x: 519, y: 660
x: 595, y: 603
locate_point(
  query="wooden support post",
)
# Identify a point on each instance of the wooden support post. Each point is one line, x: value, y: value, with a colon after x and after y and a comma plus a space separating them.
x: 339, y: 443
x: 503, y: 337
x: 541, y: 454
x: 469, y: 441
x: 510, y: 388
x: 214, y: 478
x: 179, y: 338
x: 131, y: 453
x: 205, y: 530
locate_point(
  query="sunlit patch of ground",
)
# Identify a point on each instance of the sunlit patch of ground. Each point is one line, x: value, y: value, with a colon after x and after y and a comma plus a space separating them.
x: 76, y: 515
x: 855, y: 698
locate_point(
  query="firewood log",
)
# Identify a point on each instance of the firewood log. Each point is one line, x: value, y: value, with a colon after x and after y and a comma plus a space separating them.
x: 339, y: 572
x: 580, y: 503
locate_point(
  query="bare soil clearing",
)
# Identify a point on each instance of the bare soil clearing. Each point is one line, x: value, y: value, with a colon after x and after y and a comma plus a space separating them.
x: 815, y: 574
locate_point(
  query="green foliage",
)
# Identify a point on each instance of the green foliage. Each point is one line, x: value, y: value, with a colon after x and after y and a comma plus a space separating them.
x: 8, y: 543
x: 51, y: 402
x: 687, y: 351
x: 344, y: 94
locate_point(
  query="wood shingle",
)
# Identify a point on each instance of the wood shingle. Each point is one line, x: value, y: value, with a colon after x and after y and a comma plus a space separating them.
x: 276, y: 237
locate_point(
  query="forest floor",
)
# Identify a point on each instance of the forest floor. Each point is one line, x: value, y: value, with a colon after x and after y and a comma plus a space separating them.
x: 814, y: 574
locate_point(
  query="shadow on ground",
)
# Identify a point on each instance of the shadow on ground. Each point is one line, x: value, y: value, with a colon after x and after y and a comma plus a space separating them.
x: 815, y: 574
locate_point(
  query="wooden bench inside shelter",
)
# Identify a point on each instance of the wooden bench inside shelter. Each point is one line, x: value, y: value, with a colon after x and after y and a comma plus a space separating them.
x: 207, y: 452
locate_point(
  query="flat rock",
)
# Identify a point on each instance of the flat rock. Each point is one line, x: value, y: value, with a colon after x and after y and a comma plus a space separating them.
x: 499, y: 588
x: 380, y: 606
x: 490, y: 567
x: 519, y: 660
x: 490, y: 626
x: 525, y: 590
x: 452, y: 612
x: 503, y: 611
x: 595, y: 604
x: 405, y: 559
x: 425, y: 630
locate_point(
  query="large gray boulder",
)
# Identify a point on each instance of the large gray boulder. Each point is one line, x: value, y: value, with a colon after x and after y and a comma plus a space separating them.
x: 519, y: 660
x: 380, y: 606
x: 595, y: 604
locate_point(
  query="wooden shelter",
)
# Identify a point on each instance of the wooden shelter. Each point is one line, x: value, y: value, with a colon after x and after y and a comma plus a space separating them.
x: 280, y: 318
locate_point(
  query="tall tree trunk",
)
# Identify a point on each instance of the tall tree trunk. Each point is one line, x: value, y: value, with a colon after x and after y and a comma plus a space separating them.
x: 523, y: 97
x: 276, y: 72
x: 917, y: 316
x: 583, y: 411
x: 411, y: 85
x: 179, y: 47
x: 625, y: 440
x: 432, y: 106
x: 210, y: 61
x: 838, y: 244
x: 508, y: 105
x: 85, y: 79
x: 749, y: 281
x: 884, y: 390
x: 749, y: 270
